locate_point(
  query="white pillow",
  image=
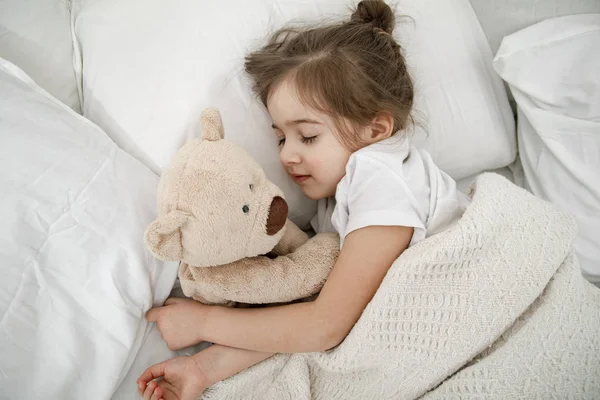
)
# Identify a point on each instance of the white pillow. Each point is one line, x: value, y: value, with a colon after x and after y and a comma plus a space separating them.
x: 76, y: 277
x: 553, y: 69
x: 150, y: 67
x: 36, y: 36
x: 500, y: 18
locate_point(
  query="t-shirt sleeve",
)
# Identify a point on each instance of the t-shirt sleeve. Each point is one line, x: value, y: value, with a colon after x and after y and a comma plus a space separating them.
x: 378, y: 195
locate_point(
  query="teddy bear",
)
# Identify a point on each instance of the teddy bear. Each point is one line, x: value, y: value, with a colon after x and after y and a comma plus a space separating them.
x: 228, y: 227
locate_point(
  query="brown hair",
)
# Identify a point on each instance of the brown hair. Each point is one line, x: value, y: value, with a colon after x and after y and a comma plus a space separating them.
x: 352, y: 70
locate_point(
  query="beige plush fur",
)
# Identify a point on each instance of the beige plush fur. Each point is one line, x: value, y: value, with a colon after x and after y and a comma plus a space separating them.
x: 219, y: 216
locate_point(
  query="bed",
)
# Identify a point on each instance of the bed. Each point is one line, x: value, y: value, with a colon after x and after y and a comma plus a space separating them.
x: 97, y: 95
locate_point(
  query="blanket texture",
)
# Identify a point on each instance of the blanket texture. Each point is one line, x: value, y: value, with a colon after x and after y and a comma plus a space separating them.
x: 495, y: 308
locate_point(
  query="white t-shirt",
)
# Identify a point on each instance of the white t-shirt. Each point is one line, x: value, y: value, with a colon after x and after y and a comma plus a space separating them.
x: 392, y: 183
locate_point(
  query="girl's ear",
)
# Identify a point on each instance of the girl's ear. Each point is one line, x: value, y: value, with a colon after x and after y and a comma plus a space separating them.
x: 382, y: 127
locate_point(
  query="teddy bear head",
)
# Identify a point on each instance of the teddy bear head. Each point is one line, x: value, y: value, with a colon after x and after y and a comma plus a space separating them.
x: 215, y: 204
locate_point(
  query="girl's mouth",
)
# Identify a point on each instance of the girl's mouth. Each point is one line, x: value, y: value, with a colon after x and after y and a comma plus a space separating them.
x: 300, y: 178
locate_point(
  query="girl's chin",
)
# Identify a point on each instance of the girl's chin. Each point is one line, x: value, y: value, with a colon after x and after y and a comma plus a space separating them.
x: 314, y: 193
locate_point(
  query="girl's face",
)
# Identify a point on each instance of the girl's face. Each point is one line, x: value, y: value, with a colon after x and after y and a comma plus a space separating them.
x: 309, y: 149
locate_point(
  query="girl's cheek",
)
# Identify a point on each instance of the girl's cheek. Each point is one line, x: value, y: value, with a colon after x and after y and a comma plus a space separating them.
x: 314, y: 161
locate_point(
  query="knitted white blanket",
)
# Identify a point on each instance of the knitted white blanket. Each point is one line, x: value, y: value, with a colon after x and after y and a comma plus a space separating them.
x: 493, y: 308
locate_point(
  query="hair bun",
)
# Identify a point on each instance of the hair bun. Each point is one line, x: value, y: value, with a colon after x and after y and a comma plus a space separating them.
x: 376, y: 13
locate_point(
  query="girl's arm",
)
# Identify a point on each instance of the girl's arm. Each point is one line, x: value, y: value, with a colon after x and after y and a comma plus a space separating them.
x: 364, y: 260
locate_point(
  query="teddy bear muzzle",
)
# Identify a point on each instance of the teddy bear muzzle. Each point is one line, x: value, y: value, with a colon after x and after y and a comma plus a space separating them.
x: 278, y: 212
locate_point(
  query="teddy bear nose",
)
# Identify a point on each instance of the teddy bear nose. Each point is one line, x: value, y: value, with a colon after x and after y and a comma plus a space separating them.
x: 277, y: 215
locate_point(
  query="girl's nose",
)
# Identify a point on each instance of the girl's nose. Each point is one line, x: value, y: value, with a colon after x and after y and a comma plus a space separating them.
x: 288, y: 155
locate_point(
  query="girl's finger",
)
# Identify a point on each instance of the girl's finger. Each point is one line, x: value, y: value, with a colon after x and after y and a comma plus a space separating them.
x: 149, y: 390
x: 173, y: 300
x: 168, y: 391
x: 152, y: 314
x: 157, y: 394
x: 153, y: 372
x: 141, y: 386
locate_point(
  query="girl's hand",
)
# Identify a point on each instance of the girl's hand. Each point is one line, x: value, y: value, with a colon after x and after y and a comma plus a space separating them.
x: 178, y: 322
x: 182, y: 379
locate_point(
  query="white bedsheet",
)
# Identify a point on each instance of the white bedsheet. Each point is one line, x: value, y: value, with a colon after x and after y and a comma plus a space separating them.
x: 76, y: 279
x: 152, y: 351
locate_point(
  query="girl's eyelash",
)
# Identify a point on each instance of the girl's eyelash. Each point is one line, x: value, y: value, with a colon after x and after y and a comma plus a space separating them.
x: 306, y: 140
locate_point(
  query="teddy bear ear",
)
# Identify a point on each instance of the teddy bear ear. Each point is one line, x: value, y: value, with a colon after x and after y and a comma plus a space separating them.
x: 163, y: 237
x: 212, y: 126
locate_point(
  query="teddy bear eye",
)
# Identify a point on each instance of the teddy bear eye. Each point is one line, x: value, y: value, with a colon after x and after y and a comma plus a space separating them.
x: 251, y: 186
x: 246, y: 209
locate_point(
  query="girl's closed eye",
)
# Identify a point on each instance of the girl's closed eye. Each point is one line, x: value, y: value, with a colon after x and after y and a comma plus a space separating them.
x: 304, y: 139
x: 309, y: 139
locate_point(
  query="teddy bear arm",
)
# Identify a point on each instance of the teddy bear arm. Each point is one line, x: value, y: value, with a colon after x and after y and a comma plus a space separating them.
x: 253, y: 280
x: 292, y: 239
x: 261, y: 280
